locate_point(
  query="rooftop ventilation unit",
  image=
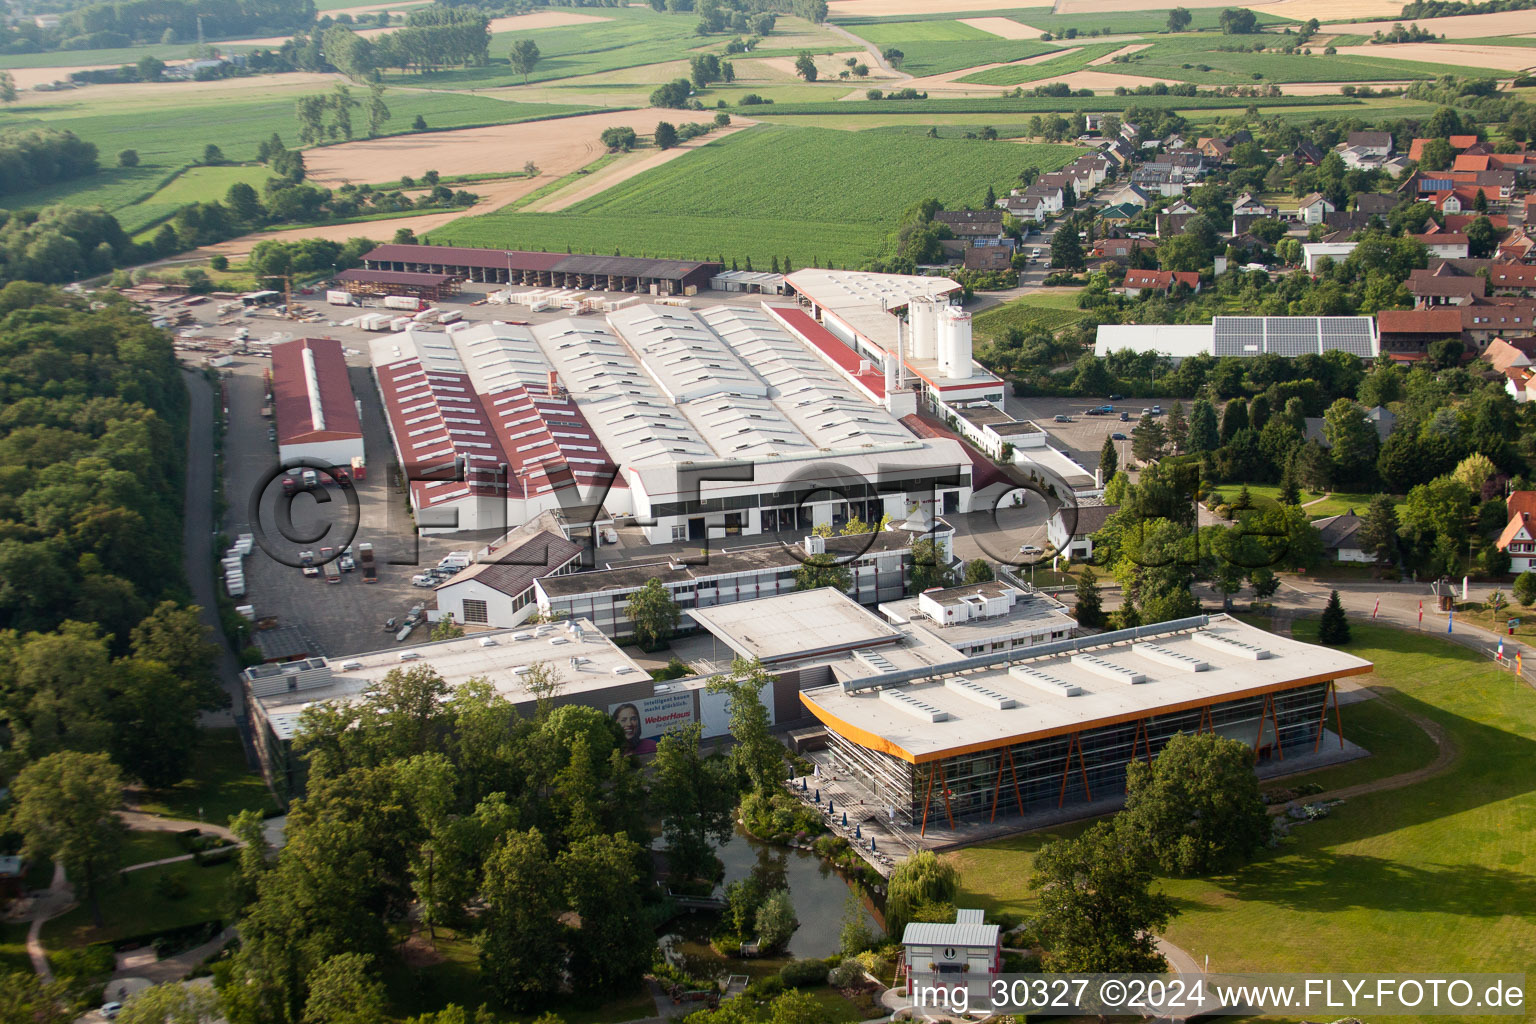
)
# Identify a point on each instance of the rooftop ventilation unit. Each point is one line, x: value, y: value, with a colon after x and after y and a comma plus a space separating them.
x: 1108, y: 669
x: 1167, y: 656
x: 1226, y: 644
x: 875, y: 660
x: 1044, y: 681
x: 980, y: 694
x: 914, y: 707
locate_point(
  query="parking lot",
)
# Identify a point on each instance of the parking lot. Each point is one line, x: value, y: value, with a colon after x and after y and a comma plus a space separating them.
x: 1083, y: 438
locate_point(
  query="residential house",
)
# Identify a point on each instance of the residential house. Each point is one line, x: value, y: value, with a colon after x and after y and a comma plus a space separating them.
x: 1443, y: 244
x: 1071, y: 530
x: 1360, y: 158
x: 1181, y: 206
x: 1516, y: 279
x: 1135, y: 195
x: 1341, y: 537
x: 1121, y: 249
x: 1377, y: 203
x: 1247, y: 205
x: 1503, y: 354
x: 1213, y: 149
x: 1119, y: 215
x: 1518, y: 247
x: 1139, y: 281
x: 1307, y: 154
x: 973, y: 224
x: 1445, y: 286
x: 1486, y: 319
x: 1380, y: 418
x: 1348, y: 220
x: 1519, y: 543
x: 1471, y: 162
x: 1462, y: 142
x: 1377, y: 144
x: 988, y: 257
x: 1312, y: 208
x: 1459, y: 222
x: 1170, y: 224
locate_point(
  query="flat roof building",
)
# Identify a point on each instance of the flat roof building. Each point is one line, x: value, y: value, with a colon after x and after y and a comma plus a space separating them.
x: 980, y: 618
x: 551, y: 270
x: 1035, y: 727
x: 1245, y: 337
x: 312, y: 403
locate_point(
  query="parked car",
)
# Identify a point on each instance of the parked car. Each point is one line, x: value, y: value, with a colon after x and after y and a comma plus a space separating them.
x: 391, y: 625
x: 1117, y: 398
x: 1125, y: 417
x: 1063, y: 419
x: 1157, y: 410
x: 422, y: 579
x: 1030, y: 549
x: 110, y: 1011
x: 1117, y: 436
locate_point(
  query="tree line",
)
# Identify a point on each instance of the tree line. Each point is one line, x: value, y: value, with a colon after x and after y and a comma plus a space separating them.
x: 35, y: 156
x: 127, y: 22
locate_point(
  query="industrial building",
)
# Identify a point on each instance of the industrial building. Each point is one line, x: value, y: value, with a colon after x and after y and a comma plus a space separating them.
x: 702, y: 425
x: 498, y: 592
x: 1245, y: 337
x: 980, y: 618
x: 547, y: 269
x: 927, y: 352
x: 431, y: 287
x: 316, y: 416
x: 588, y: 667
x: 931, y: 737
x: 879, y: 566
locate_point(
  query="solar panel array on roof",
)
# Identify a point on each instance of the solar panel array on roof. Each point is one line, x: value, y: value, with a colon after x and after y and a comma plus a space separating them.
x: 1292, y: 336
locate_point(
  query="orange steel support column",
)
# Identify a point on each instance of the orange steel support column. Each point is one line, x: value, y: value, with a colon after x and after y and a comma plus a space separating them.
x: 1017, y: 798
x: 1337, y: 721
x: 927, y: 799
x: 1263, y: 720
x: 1066, y: 771
x: 944, y: 791
x: 1084, y: 766
x: 998, y: 789
x: 1205, y: 721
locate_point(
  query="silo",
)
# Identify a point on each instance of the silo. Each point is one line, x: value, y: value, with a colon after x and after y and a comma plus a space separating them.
x: 956, y: 356
x: 924, y: 324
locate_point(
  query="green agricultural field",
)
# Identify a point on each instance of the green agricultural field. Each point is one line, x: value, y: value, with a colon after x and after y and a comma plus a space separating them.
x: 1191, y: 58
x: 195, y: 185
x: 1434, y: 876
x: 1123, y: 22
x: 1071, y: 60
x: 806, y: 193
x: 631, y: 36
x: 1047, y: 311
x: 859, y: 22
x: 169, y: 135
x: 67, y: 59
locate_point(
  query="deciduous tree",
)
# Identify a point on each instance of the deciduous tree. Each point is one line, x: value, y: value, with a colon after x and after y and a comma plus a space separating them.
x: 66, y: 811
x: 1197, y: 804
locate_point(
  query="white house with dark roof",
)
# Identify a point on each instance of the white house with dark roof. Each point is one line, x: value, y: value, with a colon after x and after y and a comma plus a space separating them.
x: 500, y: 594
x: 1071, y: 530
x: 1341, y: 537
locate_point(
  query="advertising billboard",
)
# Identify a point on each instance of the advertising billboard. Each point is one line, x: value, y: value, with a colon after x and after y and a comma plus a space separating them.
x: 646, y: 720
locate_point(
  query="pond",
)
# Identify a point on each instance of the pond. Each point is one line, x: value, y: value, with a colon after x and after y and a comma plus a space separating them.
x: 818, y: 892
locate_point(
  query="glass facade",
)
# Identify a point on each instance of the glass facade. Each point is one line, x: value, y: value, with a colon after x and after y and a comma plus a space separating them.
x: 1101, y: 753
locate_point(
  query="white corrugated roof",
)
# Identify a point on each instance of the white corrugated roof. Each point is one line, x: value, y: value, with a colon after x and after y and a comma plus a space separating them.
x: 950, y: 934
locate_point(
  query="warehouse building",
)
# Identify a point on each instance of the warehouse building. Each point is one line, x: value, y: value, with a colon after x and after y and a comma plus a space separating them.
x: 1245, y: 337
x: 700, y: 424
x: 499, y: 593
x: 546, y: 269
x: 316, y: 415
x: 431, y: 287
x: 1031, y: 729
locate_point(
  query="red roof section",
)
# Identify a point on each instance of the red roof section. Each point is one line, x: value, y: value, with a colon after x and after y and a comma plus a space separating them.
x: 1444, y: 322
x: 804, y: 326
x: 1462, y: 141
x: 441, y: 254
x: 1470, y: 162
x: 984, y: 471
x: 291, y: 391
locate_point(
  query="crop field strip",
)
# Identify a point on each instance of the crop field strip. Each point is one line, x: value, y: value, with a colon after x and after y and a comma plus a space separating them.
x: 169, y: 137
x: 1020, y: 74
x: 937, y: 47
x: 806, y: 193
x: 1105, y: 103
x: 1182, y: 57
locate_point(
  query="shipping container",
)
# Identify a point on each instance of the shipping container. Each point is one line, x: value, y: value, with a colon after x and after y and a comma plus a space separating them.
x: 340, y: 298
x: 404, y: 302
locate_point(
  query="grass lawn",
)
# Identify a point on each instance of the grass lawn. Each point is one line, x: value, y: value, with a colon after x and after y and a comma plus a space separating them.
x: 1477, y: 614
x: 13, y: 948
x: 1047, y: 311
x: 1318, y: 505
x: 195, y: 185
x: 808, y: 194
x: 1071, y: 60
x: 219, y: 786
x: 147, y: 846
x: 134, y: 909
x: 1436, y: 876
